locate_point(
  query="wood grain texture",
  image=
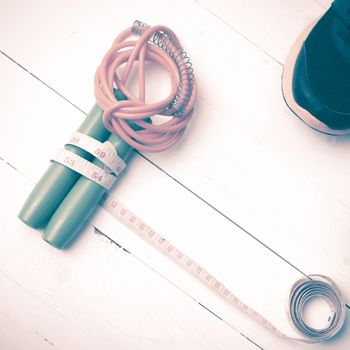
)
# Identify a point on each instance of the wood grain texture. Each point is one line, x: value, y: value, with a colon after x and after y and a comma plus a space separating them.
x: 271, y: 26
x: 246, y: 161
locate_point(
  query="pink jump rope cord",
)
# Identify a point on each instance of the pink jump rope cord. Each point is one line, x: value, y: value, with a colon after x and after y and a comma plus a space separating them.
x: 160, y: 45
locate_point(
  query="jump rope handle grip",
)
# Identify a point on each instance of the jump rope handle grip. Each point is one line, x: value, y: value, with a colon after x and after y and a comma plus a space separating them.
x: 63, y: 199
x: 76, y: 208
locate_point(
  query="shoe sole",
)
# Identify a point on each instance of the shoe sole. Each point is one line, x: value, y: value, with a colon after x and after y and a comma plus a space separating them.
x: 287, y: 88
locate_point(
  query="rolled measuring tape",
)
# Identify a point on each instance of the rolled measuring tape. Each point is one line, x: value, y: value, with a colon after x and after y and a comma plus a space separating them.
x: 314, y: 286
x: 306, y: 289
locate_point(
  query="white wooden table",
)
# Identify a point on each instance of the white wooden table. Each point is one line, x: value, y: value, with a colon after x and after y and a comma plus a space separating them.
x: 267, y: 198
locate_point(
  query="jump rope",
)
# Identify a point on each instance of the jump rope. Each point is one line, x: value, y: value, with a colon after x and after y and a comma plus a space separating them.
x: 83, y: 171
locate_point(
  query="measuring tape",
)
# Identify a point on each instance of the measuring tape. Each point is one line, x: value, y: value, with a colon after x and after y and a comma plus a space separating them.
x: 104, y: 152
x: 314, y: 286
x: 318, y: 287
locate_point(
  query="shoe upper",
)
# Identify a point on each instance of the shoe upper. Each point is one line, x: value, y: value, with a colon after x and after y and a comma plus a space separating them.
x: 321, y: 79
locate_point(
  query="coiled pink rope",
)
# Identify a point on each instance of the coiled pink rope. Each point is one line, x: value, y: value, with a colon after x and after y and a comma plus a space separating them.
x: 160, y: 45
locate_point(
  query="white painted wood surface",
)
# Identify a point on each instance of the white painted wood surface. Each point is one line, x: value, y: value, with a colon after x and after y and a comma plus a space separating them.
x: 245, y: 159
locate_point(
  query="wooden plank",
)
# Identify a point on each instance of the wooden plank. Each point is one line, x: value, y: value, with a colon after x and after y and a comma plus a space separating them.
x: 30, y: 134
x: 94, y: 295
x: 324, y: 3
x: 28, y: 322
x: 270, y: 25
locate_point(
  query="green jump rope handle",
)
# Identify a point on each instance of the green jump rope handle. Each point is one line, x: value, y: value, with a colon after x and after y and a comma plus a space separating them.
x: 76, y: 208
x: 58, y: 180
